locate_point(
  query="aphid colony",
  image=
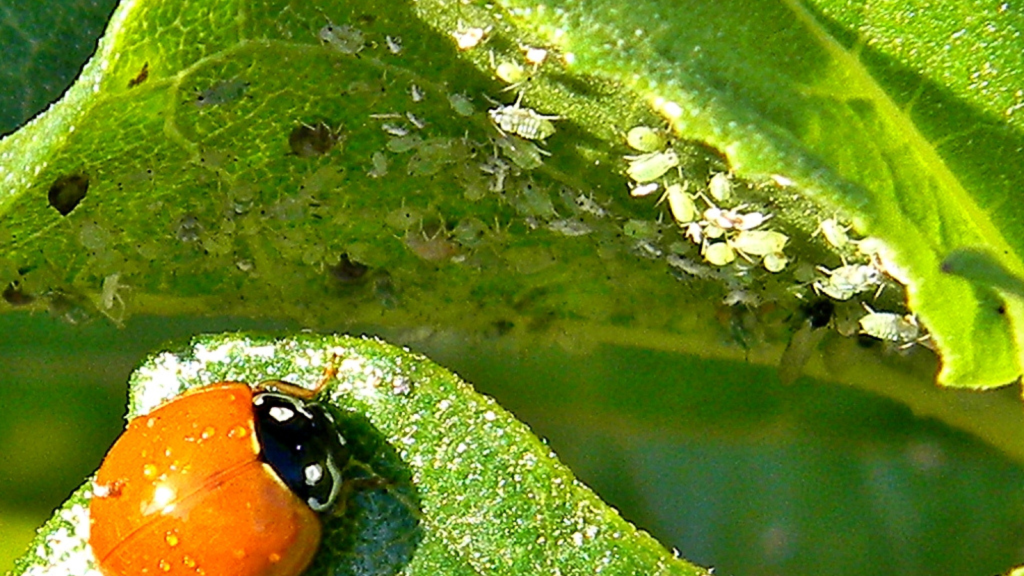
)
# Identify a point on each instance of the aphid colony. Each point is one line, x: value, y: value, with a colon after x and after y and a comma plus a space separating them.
x: 723, y: 234
x: 724, y: 230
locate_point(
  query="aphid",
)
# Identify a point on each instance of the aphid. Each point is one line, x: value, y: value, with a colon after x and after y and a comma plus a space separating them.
x: 719, y: 253
x: 569, y: 227
x: 416, y: 121
x: 713, y: 232
x: 344, y: 39
x: 640, y: 229
x: 903, y: 330
x: 651, y: 166
x: 647, y: 249
x: 695, y: 232
x: 498, y: 169
x: 403, y: 143
x: 394, y: 129
x: 750, y: 220
x: 758, y: 242
x: 681, y: 204
x: 222, y: 92
x: 140, y: 77
x: 534, y: 56
x: 643, y: 190
x: 532, y: 200
x: 380, y: 165
x: 805, y: 340
x: 307, y: 141
x: 846, y: 281
x: 590, y: 206
x: 523, y: 153
x: 833, y: 232
x: 733, y: 218
x: 739, y: 296
x: 510, y: 72
x: 109, y: 291
x: 690, y: 267
x: 394, y: 44
x: 432, y: 245
x: 523, y: 122
x: 416, y: 92
x: 469, y: 38
x: 720, y: 187
x: 461, y: 104
x: 775, y: 262
x: 645, y: 139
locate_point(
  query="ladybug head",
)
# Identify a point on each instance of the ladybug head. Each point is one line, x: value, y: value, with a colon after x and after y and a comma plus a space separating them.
x: 300, y: 441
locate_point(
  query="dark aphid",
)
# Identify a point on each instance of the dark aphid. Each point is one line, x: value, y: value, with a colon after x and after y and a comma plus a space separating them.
x: 306, y: 141
x: 805, y: 340
x: 67, y: 191
x: 819, y: 312
x: 142, y: 76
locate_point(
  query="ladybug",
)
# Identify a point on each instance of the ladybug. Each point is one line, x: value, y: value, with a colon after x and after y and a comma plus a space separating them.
x: 225, y: 479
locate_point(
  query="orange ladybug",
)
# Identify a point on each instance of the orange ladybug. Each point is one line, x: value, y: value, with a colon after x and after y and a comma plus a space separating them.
x: 223, y: 480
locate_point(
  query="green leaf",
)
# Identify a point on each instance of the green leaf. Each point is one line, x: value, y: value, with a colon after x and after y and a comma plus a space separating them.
x: 44, y: 50
x: 191, y: 188
x: 787, y: 92
x: 489, y: 497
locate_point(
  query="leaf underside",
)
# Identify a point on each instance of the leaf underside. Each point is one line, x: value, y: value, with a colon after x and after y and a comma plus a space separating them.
x: 198, y: 193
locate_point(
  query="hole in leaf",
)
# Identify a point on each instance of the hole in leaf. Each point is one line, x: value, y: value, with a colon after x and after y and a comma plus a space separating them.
x: 67, y: 191
x: 348, y: 272
x: 307, y: 141
x: 16, y: 296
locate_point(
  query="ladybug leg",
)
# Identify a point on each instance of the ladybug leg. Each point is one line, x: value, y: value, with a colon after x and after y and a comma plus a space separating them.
x: 286, y: 388
x: 353, y: 485
x: 330, y: 373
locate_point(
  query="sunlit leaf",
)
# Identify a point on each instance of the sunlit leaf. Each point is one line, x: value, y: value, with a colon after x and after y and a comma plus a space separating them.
x: 484, y: 494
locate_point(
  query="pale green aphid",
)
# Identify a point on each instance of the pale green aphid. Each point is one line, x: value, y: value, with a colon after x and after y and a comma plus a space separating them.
x: 522, y: 153
x: 222, y: 92
x: 647, y: 167
x: 461, y: 104
x: 645, y: 139
x: 640, y: 229
x: 720, y: 187
x: 681, y: 204
x: 845, y: 281
x: 344, y: 39
x: 833, y: 232
x: 380, y: 165
x: 759, y: 242
x: 889, y: 326
x: 719, y: 253
x: 510, y: 72
x: 775, y: 262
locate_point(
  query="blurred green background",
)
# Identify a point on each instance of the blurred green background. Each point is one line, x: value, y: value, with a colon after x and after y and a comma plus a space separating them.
x: 716, y: 459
